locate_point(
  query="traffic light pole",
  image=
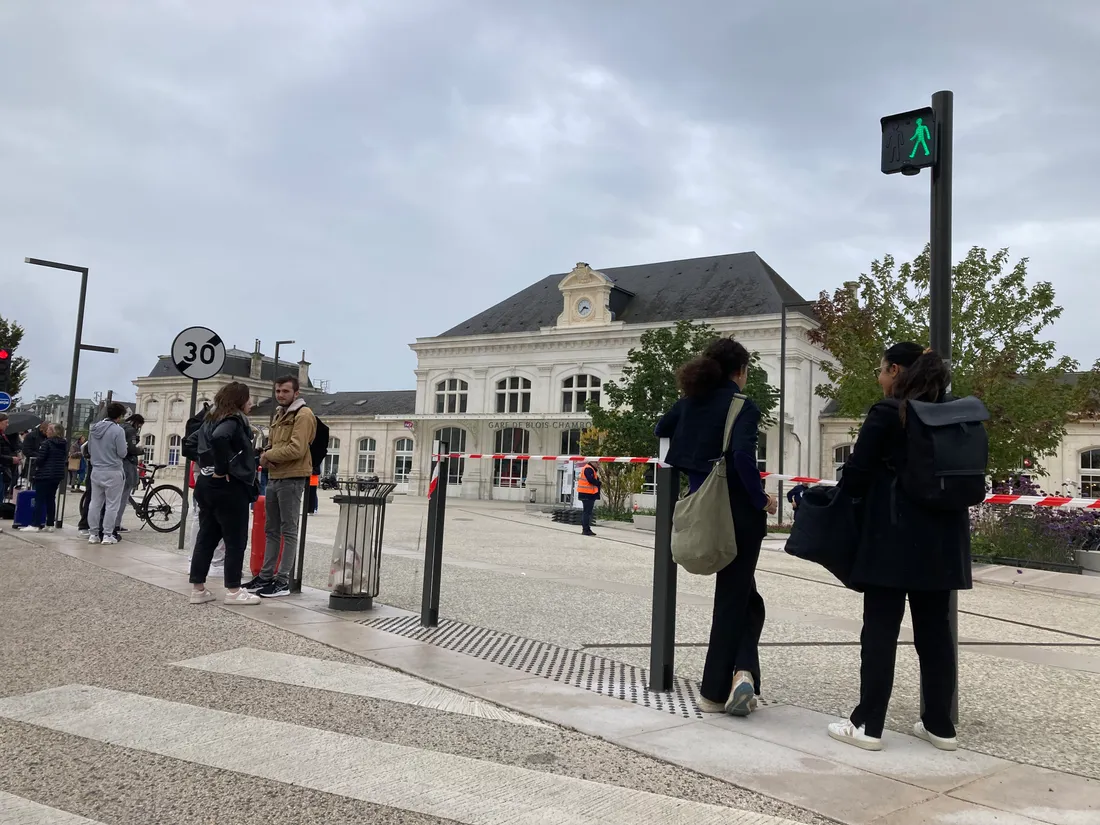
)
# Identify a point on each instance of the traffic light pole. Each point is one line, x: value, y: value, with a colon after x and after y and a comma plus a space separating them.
x: 943, y: 104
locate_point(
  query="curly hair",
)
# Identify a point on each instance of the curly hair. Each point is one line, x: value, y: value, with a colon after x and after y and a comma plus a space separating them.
x: 701, y: 376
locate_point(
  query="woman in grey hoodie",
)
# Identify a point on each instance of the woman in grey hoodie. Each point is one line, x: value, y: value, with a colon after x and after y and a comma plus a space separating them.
x: 107, y: 451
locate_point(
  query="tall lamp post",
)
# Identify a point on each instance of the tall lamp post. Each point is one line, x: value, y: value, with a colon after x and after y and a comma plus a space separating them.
x: 271, y: 418
x: 783, y: 393
x: 77, y: 347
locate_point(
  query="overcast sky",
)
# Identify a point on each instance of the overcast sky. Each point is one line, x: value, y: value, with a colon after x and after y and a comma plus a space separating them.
x: 354, y: 175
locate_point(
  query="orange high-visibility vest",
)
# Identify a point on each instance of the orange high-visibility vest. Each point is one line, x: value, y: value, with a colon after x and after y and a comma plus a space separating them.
x: 583, y: 485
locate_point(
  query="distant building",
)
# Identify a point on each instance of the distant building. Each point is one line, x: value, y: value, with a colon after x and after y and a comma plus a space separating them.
x: 55, y: 408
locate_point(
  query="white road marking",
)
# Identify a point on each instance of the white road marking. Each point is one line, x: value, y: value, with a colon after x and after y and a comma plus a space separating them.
x: 15, y: 810
x: 457, y: 788
x: 356, y: 680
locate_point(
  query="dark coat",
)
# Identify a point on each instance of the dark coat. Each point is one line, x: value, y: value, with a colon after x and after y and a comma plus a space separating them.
x: 133, y: 449
x: 53, y: 459
x: 696, y: 427
x: 903, y: 544
x: 226, y: 447
x: 9, y: 446
x: 32, y: 443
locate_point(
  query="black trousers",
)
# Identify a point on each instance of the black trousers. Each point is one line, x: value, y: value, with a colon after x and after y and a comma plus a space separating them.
x: 736, y: 624
x: 883, y: 610
x: 45, y: 501
x: 223, y: 515
x: 587, y: 505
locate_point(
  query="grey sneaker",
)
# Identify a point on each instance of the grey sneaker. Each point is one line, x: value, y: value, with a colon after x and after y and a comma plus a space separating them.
x: 94, y: 539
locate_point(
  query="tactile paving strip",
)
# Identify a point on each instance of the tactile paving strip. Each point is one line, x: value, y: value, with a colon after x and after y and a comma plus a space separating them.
x: 561, y: 664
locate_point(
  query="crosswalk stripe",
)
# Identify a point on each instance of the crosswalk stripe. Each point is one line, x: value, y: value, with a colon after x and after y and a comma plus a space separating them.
x: 458, y: 788
x: 356, y: 680
x: 15, y: 810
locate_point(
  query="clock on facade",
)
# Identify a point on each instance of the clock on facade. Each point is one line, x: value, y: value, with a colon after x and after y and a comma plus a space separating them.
x: 584, y: 307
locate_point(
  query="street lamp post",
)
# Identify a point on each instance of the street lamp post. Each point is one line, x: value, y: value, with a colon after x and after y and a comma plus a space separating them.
x: 77, y: 347
x: 271, y: 418
x: 783, y: 394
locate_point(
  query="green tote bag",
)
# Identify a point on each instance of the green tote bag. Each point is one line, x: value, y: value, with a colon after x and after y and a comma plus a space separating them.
x: 703, y: 541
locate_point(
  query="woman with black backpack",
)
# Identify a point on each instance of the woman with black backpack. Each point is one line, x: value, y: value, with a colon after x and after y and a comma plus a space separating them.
x: 906, y: 548
x: 224, y: 490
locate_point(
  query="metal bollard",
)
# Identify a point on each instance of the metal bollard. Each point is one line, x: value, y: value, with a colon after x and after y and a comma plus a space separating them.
x: 662, y: 645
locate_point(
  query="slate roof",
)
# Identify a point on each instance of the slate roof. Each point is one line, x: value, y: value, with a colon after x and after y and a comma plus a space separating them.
x: 722, y: 286
x: 385, y: 402
x: 238, y: 364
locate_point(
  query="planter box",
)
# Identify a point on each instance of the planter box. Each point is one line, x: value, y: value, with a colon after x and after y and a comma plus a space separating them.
x: 646, y: 523
x: 1089, y: 560
x: 1027, y: 564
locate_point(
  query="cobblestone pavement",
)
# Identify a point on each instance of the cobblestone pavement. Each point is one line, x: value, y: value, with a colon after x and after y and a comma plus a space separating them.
x: 517, y: 572
x: 122, y: 703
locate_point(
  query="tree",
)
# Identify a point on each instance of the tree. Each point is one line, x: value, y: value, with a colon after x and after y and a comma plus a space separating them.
x: 617, y: 481
x: 649, y: 389
x: 11, y: 336
x: 998, y: 350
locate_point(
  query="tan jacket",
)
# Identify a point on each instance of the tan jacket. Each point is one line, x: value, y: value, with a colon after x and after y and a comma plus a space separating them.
x: 291, y: 434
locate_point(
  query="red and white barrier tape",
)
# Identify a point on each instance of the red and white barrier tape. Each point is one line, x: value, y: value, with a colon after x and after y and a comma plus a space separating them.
x: 1057, y: 502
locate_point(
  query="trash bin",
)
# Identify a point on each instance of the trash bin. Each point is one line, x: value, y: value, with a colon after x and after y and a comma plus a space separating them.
x: 357, y: 548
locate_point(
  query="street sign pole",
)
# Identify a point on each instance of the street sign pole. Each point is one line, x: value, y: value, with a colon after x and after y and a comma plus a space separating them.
x: 198, y: 353
x: 187, y: 470
x: 912, y: 141
x: 943, y: 105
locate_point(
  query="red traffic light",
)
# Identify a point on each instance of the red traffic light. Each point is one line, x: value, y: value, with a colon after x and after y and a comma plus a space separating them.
x: 4, y: 355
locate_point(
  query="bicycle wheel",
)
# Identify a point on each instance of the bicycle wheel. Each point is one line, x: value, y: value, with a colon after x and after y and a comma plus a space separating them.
x: 163, y: 506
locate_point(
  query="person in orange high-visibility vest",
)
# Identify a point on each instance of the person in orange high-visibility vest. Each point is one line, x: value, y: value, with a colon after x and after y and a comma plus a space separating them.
x: 588, y: 491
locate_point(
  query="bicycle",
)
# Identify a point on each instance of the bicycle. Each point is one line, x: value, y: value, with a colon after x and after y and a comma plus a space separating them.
x: 161, y: 505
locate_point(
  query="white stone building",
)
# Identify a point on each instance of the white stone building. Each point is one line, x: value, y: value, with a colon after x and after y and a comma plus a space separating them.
x: 516, y: 377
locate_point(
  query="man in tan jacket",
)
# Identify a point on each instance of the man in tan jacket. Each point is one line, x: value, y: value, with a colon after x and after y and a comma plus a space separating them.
x: 289, y: 467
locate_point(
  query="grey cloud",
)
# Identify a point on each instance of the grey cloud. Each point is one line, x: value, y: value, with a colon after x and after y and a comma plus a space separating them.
x: 356, y: 175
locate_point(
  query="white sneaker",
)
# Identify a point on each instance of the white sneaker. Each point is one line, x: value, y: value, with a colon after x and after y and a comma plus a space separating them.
x: 85, y: 533
x: 202, y: 596
x: 742, y: 699
x: 707, y: 706
x: 242, y: 597
x: 110, y: 539
x: 31, y: 530
x: 921, y: 732
x: 93, y: 539
x: 50, y: 529
x: 849, y: 734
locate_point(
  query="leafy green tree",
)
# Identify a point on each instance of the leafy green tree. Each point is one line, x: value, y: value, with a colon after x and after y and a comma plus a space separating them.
x: 648, y: 389
x: 999, y: 352
x: 11, y: 336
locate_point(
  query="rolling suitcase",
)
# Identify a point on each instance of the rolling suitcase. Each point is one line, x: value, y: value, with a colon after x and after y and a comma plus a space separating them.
x: 24, y: 508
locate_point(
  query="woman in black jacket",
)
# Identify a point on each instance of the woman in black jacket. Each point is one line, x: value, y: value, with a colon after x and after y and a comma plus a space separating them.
x: 905, y: 549
x: 224, y: 490
x: 696, y: 424
x: 51, y: 465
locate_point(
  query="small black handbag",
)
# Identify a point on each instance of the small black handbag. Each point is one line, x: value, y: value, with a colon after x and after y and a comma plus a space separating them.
x: 826, y: 530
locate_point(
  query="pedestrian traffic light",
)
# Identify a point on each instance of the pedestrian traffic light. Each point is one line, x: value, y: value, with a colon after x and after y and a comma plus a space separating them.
x: 5, y: 369
x: 909, y: 141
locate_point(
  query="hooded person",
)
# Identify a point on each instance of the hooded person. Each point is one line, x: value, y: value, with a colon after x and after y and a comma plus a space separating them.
x: 132, y: 428
x: 107, y: 451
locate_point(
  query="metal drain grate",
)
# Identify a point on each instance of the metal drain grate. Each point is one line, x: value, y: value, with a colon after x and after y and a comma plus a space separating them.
x: 573, y: 667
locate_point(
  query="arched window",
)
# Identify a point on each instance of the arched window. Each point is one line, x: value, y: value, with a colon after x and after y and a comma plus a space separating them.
x: 451, y: 396
x: 367, y: 448
x: 455, y: 437
x: 570, y: 442
x: 331, y: 464
x: 174, y: 445
x: 149, y: 444
x: 152, y: 409
x: 1090, y: 474
x: 402, y: 460
x: 840, y: 455
x: 511, y: 472
x: 577, y: 391
x: 514, y: 395
x: 175, y: 409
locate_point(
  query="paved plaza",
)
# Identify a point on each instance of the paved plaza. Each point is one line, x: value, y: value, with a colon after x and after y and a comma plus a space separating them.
x: 528, y: 704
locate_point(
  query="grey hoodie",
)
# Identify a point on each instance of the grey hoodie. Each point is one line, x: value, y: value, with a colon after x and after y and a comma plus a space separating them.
x: 107, y: 445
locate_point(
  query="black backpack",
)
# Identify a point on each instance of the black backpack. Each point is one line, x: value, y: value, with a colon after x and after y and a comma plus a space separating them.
x: 190, y: 447
x: 948, y: 453
x: 318, y: 447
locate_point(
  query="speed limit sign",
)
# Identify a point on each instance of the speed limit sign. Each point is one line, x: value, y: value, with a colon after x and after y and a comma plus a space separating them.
x: 198, y: 353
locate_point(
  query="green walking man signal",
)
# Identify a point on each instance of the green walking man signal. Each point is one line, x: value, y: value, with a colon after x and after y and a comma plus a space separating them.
x: 909, y: 142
